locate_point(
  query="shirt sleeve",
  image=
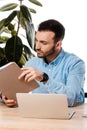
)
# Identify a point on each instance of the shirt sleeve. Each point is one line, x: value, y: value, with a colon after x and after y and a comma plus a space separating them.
x: 74, y: 84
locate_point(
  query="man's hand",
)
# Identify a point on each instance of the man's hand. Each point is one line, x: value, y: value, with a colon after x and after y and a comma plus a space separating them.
x: 9, y: 102
x: 31, y: 73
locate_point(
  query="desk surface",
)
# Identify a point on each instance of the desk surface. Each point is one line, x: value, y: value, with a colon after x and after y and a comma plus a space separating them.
x: 10, y: 120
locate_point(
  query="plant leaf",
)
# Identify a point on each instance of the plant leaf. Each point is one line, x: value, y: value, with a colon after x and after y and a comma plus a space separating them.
x: 22, y: 60
x: 30, y: 33
x: 13, y: 49
x: 3, y: 59
x: 26, y: 13
x: 3, y: 28
x: 35, y: 2
x: 1, y: 53
x: 3, y: 39
x: 10, y: 18
x: 27, y: 52
x: 8, y: 7
x: 32, y: 10
x: 21, y: 19
x: 2, y: 23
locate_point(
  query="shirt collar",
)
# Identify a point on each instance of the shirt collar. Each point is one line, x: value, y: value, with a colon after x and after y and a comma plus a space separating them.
x: 57, y: 60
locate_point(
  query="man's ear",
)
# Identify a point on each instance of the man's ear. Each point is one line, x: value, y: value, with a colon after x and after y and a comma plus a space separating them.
x: 59, y: 44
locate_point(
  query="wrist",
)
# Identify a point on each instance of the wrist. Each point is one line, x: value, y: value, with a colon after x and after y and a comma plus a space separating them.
x: 45, y: 78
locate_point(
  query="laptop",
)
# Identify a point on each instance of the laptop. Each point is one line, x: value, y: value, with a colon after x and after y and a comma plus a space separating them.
x: 10, y: 84
x: 48, y: 106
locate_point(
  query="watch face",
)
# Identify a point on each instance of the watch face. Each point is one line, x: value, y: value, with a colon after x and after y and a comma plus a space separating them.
x: 45, y: 77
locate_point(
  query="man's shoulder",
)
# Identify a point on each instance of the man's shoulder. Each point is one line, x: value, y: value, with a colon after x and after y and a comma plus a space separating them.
x: 72, y: 57
x: 75, y: 61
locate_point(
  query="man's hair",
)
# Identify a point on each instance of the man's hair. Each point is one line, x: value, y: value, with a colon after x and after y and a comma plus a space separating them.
x: 54, y: 26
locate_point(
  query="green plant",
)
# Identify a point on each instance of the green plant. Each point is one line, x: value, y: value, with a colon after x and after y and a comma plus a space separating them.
x: 12, y: 47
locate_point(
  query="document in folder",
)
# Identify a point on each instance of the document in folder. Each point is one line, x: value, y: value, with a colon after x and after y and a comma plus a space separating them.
x: 10, y: 84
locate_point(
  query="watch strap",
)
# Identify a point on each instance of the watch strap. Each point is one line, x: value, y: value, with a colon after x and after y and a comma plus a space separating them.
x: 45, y: 77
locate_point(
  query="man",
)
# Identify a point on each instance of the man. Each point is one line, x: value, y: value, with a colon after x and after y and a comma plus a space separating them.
x: 54, y: 69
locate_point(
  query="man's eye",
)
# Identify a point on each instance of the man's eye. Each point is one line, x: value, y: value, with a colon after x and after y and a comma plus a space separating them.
x: 44, y: 43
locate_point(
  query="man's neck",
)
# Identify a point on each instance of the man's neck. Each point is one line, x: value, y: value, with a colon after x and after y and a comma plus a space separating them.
x: 51, y: 58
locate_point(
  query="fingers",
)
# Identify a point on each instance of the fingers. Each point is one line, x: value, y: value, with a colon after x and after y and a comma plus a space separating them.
x: 30, y: 73
x: 24, y: 73
x: 9, y: 102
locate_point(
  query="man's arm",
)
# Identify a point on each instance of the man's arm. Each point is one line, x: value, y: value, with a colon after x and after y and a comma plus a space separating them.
x: 71, y: 84
x: 73, y: 87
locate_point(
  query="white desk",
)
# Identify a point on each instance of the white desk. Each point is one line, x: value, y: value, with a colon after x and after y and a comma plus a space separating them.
x: 10, y: 120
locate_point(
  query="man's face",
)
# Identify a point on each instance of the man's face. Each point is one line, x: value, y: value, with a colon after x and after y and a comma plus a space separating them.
x: 45, y: 46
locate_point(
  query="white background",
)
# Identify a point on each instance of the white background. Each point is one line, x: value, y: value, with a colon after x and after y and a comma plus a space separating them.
x: 72, y: 14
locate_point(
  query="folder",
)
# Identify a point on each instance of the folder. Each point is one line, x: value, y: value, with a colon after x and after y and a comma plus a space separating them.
x: 10, y: 84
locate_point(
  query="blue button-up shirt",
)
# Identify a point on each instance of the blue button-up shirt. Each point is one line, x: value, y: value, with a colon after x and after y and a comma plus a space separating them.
x: 66, y: 76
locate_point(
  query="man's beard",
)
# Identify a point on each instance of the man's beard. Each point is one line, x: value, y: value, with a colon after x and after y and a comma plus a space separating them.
x: 41, y: 54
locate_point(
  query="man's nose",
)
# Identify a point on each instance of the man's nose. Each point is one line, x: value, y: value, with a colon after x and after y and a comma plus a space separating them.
x: 38, y: 46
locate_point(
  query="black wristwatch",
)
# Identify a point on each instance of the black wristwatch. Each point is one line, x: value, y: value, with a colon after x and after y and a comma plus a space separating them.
x: 45, y: 77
